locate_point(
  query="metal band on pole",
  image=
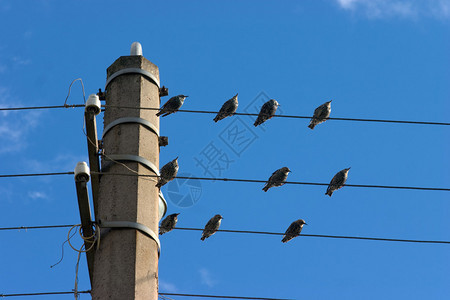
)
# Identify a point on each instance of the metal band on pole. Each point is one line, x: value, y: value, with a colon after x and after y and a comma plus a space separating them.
x: 132, y: 225
x: 135, y: 120
x: 145, y: 73
x: 135, y: 158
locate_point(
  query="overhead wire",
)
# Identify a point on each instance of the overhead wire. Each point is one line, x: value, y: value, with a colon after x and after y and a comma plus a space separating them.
x: 287, y: 182
x: 287, y: 116
x: 322, y: 236
x: 163, y: 294
x: 42, y: 294
x: 237, y: 114
x: 220, y: 296
x: 263, y: 233
x: 42, y: 107
x: 236, y: 180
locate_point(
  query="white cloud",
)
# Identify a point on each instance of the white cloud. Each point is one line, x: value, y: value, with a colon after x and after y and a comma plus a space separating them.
x: 398, y: 8
x: 62, y: 162
x: 167, y: 287
x: 15, y: 125
x: 348, y: 4
x: 206, y: 278
x: 21, y: 61
x: 37, y: 195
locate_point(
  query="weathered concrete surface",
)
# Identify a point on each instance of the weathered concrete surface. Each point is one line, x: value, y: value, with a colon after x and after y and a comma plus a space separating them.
x: 126, y: 265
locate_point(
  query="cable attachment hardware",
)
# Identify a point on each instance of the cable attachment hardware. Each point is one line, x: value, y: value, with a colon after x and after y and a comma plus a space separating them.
x: 163, y: 91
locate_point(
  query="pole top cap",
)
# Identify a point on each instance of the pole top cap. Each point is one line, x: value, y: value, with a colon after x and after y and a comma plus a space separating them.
x: 136, y: 49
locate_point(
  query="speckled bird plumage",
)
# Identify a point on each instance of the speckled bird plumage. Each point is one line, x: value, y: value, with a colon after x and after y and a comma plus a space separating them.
x: 320, y: 114
x: 278, y: 178
x: 228, y: 109
x: 172, y: 105
x: 168, y: 223
x: 168, y: 172
x: 267, y: 111
x: 337, y: 182
x: 293, y: 230
x: 211, y: 227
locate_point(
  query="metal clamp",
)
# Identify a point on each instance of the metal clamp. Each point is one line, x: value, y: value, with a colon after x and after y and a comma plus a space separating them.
x: 125, y: 120
x: 135, y: 158
x: 133, y: 225
x: 145, y: 73
x: 162, y: 205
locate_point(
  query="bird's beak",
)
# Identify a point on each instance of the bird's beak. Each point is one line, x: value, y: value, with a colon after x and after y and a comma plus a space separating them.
x: 305, y: 224
x: 177, y: 214
x: 349, y: 168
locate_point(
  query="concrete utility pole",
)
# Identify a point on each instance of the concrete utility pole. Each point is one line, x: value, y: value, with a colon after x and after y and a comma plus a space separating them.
x: 126, y: 264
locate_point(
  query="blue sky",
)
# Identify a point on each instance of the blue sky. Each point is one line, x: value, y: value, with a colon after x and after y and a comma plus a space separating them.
x: 375, y: 59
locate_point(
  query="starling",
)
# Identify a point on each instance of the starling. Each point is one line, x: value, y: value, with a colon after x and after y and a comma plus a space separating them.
x: 278, y: 178
x: 228, y: 109
x: 168, y: 223
x: 267, y: 111
x: 320, y: 114
x: 211, y: 227
x: 168, y: 172
x: 293, y: 230
x: 337, y: 182
x: 172, y: 105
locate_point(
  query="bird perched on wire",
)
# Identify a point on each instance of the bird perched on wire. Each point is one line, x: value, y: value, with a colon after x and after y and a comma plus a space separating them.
x: 172, y: 105
x: 211, y: 227
x: 278, y: 178
x: 338, y: 181
x: 228, y: 109
x: 293, y: 230
x: 267, y: 111
x: 168, y: 172
x: 168, y: 223
x: 321, y: 114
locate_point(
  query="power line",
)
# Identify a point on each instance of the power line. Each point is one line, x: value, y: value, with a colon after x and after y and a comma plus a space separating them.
x: 238, y: 180
x: 36, y: 174
x: 217, y: 296
x: 36, y: 227
x: 238, y: 114
x: 164, y: 294
x: 42, y: 294
x: 324, y: 236
x: 289, y: 116
x: 42, y: 107
x: 288, y: 182
x: 258, y: 232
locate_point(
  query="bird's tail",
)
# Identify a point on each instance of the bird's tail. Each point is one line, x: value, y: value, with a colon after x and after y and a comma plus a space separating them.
x: 266, y: 188
x: 159, y: 184
x: 311, y: 125
x: 203, y: 238
x: 216, y: 118
x: 257, y: 122
x: 159, y: 113
x: 329, y: 193
x: 285, y: 239
x: 161, y: 232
